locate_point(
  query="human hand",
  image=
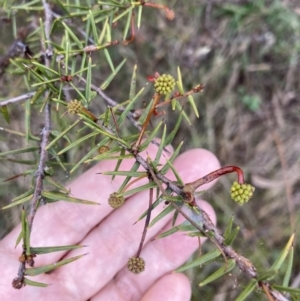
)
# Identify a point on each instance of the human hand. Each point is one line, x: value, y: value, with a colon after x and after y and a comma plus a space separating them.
x: 111, y: 239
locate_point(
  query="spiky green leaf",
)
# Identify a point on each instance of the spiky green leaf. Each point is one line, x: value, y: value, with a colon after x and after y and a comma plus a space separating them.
x: 174, y: 155
x: 288, y: 273
x: 213, y: 255
x: 50, y: 267
x: 56, y: 196
x: 277, y: 264
x: 225, y: 269
x: 34, y: 283
x: 45, y: 250
x: 112, y: 76
x: 247, y: 290
x: 5, y: 114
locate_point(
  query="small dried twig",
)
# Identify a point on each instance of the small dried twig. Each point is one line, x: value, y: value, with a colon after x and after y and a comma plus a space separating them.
x: 40, y: 173
x: 168, y: 12
x: 156, y: 99
x: 17, y: 99
x: 45, y: 132
x: 146, y: 223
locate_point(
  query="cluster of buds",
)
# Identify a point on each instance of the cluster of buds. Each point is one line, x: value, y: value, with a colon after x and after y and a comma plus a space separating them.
x: 241, y: 193
x: 75, y: 107
x: 103, y: 149
x: 115, y: 200
x: 164, y: 84
x: 136, y: 265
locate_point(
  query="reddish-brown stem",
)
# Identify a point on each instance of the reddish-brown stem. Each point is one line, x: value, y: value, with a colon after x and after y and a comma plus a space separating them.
x: 177, y: 95
x: 156, y: 98
x: 169, y: 13
x: 146, y: 223
x: 155, y: 5
x: 216, y: 174
x: 266, y: 288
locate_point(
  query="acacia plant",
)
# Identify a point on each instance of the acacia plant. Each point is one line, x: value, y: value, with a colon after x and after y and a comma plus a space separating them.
x: 64, y: 56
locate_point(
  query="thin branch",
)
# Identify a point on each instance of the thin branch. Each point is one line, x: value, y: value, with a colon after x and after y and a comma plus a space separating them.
x: 42, y: 163
x: 46, y: 130
x: 216, y: 174
x: 146, y: 223
x: 138, y: 142
x: 17, y: 99
x: 40, y: 173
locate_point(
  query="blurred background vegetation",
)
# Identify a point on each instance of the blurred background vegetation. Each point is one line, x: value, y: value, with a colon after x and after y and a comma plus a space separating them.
x: 247, y: 55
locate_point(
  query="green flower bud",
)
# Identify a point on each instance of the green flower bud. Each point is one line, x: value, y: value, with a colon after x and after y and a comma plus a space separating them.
x: 136, y: 265
x: 164, y: 84
x: 115, y: 200
x: 75, y: 106
x: 103, y: 149
x: 241, y: 193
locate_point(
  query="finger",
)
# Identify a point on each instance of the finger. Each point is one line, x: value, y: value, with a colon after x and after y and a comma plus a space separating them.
x: 160, y: 262
x: 110, y: 244
x: 64, y: 223
x: 48, y: 223
x: 173, y: 287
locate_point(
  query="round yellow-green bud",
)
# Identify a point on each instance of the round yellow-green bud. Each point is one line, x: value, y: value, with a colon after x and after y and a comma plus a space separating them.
x: 103, y: 149
x: 75, y: 106
x: 241, y: 193
x: 136, y: 265
x: 115, y: 200
x: 164, y: 84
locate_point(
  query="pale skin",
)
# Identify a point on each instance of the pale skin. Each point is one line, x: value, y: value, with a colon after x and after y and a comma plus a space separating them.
x: 111, y: 238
